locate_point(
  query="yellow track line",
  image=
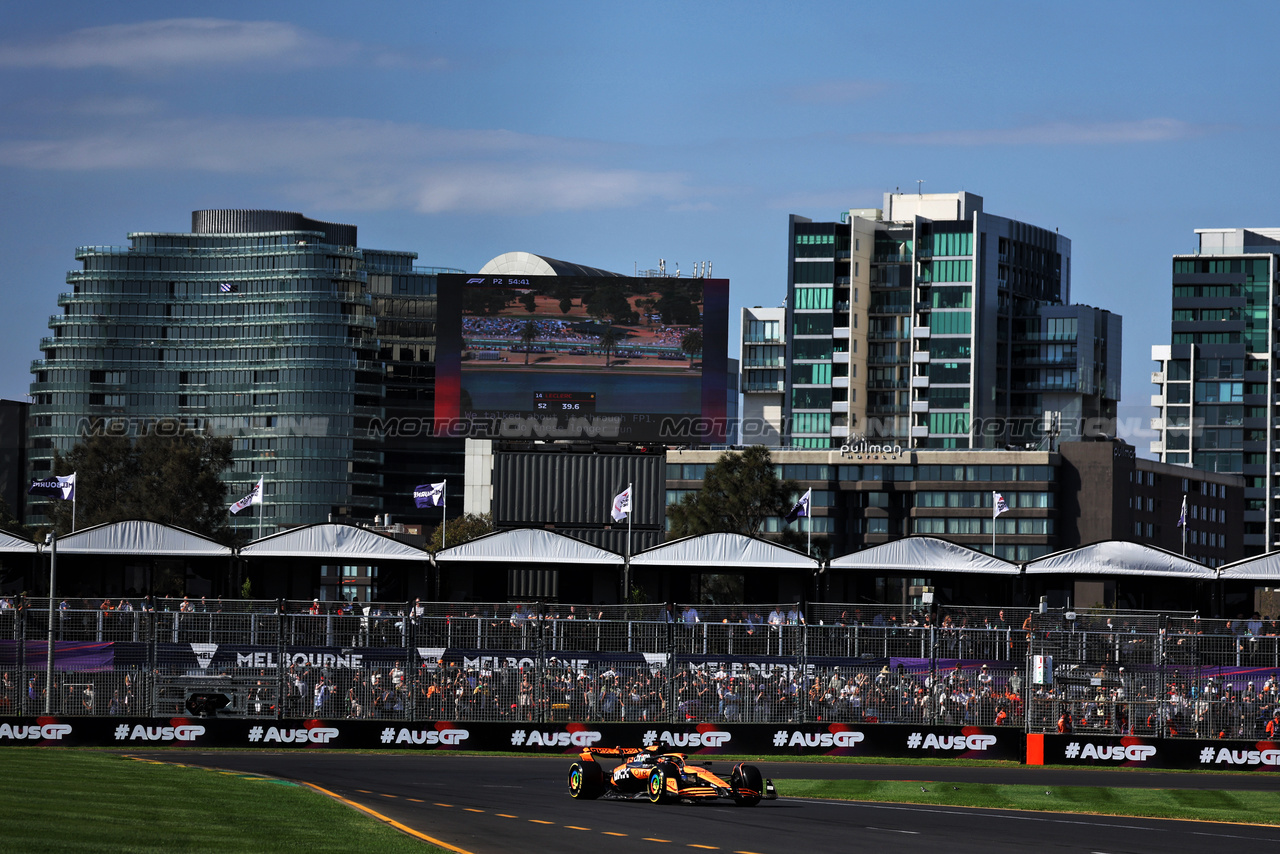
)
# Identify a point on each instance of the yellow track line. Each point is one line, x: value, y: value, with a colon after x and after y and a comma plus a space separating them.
x: 380, y: 817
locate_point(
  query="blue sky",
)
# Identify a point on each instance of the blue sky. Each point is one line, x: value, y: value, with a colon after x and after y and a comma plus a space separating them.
x: 616, y: 134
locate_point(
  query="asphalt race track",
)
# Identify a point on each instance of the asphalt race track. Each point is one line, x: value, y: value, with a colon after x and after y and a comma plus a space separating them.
x: 484, y: 805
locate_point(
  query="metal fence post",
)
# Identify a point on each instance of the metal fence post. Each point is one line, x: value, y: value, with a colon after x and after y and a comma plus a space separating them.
x: 282, y: 622
x: 20, y: 630
x: 671, y: 666
x: 803, y: 661
x: 147, y: 691
x: 541, y: 697
x: 933, y: 674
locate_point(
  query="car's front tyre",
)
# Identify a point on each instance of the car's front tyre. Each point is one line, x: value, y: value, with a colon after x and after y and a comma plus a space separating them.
x: 658, y: 785
x: 747, y: 777
x: 586, y: 780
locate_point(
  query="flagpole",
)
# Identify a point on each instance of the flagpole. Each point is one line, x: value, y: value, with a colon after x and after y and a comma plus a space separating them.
x: 444, y: 521
x: 995, y: 514
x: 1183, y: 520
x: 626, y: 564
x: 262, y: 506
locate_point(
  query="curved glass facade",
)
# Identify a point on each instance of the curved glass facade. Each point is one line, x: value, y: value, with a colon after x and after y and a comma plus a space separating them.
x: 268, y: 337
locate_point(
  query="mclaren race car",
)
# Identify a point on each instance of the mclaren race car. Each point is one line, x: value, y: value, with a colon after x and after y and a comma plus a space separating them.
x: 649, y: 773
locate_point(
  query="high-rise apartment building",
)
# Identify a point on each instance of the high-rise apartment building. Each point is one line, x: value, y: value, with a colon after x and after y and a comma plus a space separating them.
x: 762, y: 380
x: 257, y: 325
x: 933, y: 324
x: 1214, y: 409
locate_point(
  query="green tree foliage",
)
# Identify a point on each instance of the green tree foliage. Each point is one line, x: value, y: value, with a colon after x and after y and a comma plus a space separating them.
x: 10, y: 525
x: 738, y: 493
x: 460, y: 530
x: 485, y: 301
x: 171, y: 479
x: 678, y: 303
x: 691, y: 344
x: 609, y: 339
x: 564, y: 294
x: 528, y: 334
x: 609, y: 302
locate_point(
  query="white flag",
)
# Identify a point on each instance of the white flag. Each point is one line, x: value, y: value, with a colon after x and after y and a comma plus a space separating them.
x: 999, y: 503
x: 254, y: 497
x: 622, y: 505
x: 68, y: 486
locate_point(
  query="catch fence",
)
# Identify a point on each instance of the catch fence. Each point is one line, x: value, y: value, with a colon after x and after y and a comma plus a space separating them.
x: 1162, y: 675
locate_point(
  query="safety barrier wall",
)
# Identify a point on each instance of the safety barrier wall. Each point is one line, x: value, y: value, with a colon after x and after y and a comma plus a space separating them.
x: 705, y: 739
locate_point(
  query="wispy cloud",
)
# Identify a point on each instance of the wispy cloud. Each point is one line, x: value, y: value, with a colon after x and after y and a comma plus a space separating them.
x: 181, y: 42
x: 1050, y: 133
x: 366, y: 164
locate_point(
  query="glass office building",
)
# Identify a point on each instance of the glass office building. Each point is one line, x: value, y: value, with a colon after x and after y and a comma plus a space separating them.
x: 934, y: 324
x: 257, y: 325
x: 1213, y: 382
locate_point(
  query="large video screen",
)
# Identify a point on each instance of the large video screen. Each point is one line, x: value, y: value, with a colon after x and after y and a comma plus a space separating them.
x: 576, y: 357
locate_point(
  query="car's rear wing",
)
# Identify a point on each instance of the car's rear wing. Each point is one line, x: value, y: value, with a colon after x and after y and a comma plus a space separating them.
x: 592, y: 752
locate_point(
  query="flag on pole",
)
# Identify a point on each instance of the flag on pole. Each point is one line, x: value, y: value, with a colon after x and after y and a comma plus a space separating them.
x: 999, y: 504
x: 254, y: 497
x: 429, y: 495
x: 801, y: 508
x: 55, y: 487
x: 622, y: 505
x: 1182, y: 517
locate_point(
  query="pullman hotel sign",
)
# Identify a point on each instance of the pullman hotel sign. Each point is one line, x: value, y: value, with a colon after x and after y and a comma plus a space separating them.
x: 864, y: 449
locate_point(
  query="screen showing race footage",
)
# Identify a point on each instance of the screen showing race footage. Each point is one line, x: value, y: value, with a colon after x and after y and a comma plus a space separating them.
x: 575, y: 357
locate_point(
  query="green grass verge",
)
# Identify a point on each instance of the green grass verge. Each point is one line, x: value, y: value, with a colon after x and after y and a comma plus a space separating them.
x: 75, y: 801
x: 1250, y: 807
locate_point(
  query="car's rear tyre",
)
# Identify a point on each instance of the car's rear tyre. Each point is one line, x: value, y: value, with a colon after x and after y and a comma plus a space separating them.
x: 747, y: 777
x: 657, y: 786
x: 586, y: 780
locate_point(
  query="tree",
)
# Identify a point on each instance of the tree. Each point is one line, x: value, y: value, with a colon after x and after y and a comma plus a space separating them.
x: 167, y: 477
x: 528, y: 334
x: 460, y: 530
x: 564, y: 294
x: 691, y: 344
x: 609, y: 339
x: 10, y: 525
x: 739, y: 492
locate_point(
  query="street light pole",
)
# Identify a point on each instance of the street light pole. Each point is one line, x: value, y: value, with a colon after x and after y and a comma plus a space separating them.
x: 52, y: 542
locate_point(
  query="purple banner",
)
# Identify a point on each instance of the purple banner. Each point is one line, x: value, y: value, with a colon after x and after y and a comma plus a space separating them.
x: 67, y: 655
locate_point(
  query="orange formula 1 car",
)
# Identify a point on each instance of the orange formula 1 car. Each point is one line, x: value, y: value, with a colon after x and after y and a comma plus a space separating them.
x: 649, y: 773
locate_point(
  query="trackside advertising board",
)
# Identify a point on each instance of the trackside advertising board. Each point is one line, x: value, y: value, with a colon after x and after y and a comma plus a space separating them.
x: 833, y: 739
x: 1142, y: 752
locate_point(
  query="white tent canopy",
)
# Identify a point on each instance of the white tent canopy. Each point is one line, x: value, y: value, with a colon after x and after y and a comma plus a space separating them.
x: 528, y: 545
x: 724, y: 550
x: 10, y: 544
x: 924, y: 554
x: 137, y: 538
x: 1261, y: 568
x: 1114, y: 557
x: 326, y: 540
